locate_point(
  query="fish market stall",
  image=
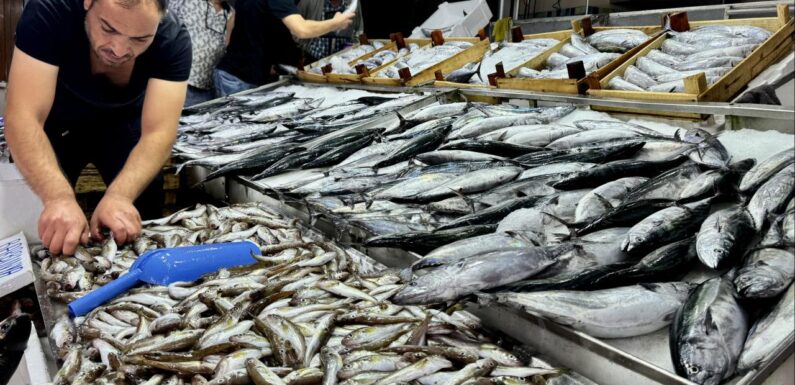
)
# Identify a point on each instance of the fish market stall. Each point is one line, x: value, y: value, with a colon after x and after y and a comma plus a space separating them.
x: 363, y: 208
x: 233, y: 132
x: 694, y: 65
x: 308, y: 309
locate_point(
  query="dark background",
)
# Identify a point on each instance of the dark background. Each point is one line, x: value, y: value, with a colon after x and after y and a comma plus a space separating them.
x: 9, y: 15
x: 384, y: 17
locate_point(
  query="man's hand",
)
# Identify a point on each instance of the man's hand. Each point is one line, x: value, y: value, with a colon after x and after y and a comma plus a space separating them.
x: 62, y: 225
x: 117, y: 213
x: 343, y: 20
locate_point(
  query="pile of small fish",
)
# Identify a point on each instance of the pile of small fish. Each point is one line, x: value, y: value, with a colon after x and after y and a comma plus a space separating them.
x: 423, y: 58
x: 308, y: 312
x: 511, y: 55
x: 595, y: 51
x: 713, y: 50
x: 68, y: 278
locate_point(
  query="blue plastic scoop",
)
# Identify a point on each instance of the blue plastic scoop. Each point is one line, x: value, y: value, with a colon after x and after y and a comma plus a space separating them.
x: 164, y: 266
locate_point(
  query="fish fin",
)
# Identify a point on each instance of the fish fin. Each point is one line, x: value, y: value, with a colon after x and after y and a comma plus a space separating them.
x: 469, y: 201
x: 485, y: 111
x: 522, y: 237
x: 709, y: 323
x: 485, y: 298
x: 368, y: 201
x: 606, y: 203
x: 556, y: 218
x: 401, y: 119
x: 477, y: 71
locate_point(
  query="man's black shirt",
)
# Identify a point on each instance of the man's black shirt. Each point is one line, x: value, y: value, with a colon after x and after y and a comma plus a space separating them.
x: 260, y: 39
x: 54, y: 32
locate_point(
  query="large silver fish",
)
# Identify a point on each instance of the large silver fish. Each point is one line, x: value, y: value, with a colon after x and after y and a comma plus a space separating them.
x: 609, y: 313
x: 708, y: 333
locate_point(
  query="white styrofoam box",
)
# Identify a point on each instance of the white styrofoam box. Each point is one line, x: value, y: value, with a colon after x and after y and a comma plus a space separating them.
x: 16, y: 270
x: 459, y: 19
x: 19, y: 204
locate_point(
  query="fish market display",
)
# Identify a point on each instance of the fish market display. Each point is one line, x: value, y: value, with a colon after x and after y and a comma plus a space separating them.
x: 507, y: 201
x: 14, y: 335
x: 713, y: 50
x: 247, y: 134
x: 423, y: 58
x: 511, y: 55
x: 595, y: 51
x: 307, y: 312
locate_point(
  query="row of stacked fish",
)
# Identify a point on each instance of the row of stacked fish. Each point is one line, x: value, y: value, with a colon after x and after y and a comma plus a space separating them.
x: 713, y: 50
x: 308, y: 312
x: 341, y: 63
x: 511, y: 55
x: 424, y: 58
x: 503, y: 199
x: 233, y: 131
x: 594, y: 51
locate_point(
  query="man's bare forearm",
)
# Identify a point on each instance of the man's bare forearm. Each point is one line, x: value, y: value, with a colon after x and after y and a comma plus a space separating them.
x: 35, y: 158
x: 143, y: 164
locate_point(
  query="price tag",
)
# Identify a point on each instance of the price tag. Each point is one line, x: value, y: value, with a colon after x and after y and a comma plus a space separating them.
x: 15, y: 268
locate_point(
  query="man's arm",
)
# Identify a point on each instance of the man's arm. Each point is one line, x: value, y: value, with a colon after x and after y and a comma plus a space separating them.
x: 31, y: 91
x: 307, y: 29
x: 161, y: 111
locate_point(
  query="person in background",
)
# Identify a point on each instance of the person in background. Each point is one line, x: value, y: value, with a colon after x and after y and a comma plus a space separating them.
x: 330, y: 43
x: 210, y: 24
x: 263, y: 37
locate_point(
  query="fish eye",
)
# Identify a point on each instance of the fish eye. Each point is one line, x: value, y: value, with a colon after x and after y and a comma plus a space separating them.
x: 412, y: 283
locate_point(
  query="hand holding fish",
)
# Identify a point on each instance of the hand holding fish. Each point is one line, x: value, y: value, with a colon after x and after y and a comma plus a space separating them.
x: 343, y: 20
x: 62, y: 225
x: 117, y: 213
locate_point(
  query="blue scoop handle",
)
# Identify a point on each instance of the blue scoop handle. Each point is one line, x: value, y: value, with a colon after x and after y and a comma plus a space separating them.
x: 164, y: 266
x: 95, y: 298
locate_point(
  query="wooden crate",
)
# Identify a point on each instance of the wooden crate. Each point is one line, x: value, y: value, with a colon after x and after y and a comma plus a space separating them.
x: 470, y: 97
x: 774, y: 48
x: 357, y: 78
x: 580, y: 83
x: 307, y: 76
x: 547, y: 35
x: 446, y: 66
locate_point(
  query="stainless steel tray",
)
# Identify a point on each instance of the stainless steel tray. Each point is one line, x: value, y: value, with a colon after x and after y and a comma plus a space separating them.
x: 643, y: 360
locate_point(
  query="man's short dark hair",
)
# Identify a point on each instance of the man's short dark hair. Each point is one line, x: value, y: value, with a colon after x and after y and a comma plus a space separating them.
x: 162, y: 5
